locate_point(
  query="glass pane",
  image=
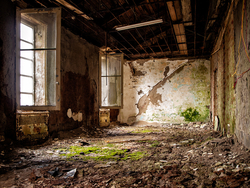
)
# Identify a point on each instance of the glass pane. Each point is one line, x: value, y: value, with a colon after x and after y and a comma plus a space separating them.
x: 111, y: 65
x: 104, y: 65
x: 45, y: 76
x: 111, y: 91
x: 27, y: 33
x: 44, y: 25
x: 26, y: 67
x: 26, y: 84
x: 114, y: 66
x: 27, y: 54
x: 26, y: 99
x: 25, y: 45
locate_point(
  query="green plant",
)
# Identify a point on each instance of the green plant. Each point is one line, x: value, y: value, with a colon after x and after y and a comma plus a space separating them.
x: 190, y: 114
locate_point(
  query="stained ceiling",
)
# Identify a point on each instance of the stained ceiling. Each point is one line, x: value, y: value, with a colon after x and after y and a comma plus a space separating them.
x: 189, y: 27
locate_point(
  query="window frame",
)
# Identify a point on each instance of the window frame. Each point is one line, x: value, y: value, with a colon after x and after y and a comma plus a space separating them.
x: 100, y: 81
x: 32, y: 60
x: 56, y: 10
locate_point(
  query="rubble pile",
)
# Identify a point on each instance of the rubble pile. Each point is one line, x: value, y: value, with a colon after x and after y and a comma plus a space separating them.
x: 185, y: 155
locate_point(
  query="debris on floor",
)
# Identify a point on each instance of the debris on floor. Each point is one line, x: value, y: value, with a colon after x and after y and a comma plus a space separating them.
x: 143, y: 155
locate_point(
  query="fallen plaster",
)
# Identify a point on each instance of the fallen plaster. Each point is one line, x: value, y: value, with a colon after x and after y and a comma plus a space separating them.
x: 74, y: 115
x: 144, y: 155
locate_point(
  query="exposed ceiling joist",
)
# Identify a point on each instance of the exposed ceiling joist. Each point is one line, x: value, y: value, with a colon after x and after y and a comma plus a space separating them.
x: 74, y: 9
x: 186, y: 31
x: 175, y: 13
x: 186, y: 12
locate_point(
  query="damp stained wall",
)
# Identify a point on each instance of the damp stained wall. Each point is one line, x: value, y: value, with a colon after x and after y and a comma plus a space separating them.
x: 79, y: 79
x: 7, y: 70
x: 159, y: 90
x: 79, y: 83
x: 222, y: 81
x: 229, y: 69
x: 242, y: 128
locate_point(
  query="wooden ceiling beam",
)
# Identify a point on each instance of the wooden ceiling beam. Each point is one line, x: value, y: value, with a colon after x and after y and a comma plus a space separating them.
x: 186, y: 12
x: 175, y: 14
x: 133, y: 6
x: 164, y: 45
x: 137, y: 30
x: 127, y: 31
x: 161, y: 35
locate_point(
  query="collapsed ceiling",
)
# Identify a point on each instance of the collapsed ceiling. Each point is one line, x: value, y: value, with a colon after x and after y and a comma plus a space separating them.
x: 188, y: 30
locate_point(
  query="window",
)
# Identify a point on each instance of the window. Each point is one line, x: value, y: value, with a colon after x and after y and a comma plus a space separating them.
x: 38, y: 59
x: 111, y: 80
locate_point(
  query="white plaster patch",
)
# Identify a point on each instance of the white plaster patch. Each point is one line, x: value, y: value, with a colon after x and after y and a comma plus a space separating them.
x: 74, y: 115
x: 177, y: 93
x: 69, y: 113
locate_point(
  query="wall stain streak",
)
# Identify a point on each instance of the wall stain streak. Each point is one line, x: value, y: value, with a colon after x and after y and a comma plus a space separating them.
x: 167, y: 89
x: 153, y: 96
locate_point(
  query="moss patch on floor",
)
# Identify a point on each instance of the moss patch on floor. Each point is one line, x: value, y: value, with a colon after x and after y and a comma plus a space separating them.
x: 142, y: 131
x: 109, y: 152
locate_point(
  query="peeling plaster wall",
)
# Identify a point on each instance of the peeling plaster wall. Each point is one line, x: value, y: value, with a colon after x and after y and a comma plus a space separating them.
x: 242, y: 128
x: 79, y: 83
x: 79, y: 80
x: 159, y: 90
x: 231, y: 104
x: 7, y: 70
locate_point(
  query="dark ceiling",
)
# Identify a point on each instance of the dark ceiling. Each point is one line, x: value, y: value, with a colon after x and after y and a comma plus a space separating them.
x: 189, y: 27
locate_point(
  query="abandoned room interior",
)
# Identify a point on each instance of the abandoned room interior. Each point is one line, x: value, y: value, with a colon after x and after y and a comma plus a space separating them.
x: 124, y: 93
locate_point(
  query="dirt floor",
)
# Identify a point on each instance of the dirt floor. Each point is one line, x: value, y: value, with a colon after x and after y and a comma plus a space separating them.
x: 143, y: 155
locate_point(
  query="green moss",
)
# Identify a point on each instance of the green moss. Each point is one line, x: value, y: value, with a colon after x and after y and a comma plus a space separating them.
x: 144, y: 131
x: 155, y: 144
x: 190, y: 115
x: 204, y: 114
x: 102, y: 154
x: 137, y: 155
x: 86, y: 150
x: 110, y: 145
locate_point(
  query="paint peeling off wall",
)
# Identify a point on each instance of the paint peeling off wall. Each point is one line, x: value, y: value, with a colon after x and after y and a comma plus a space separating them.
x: 164, y: 89
x: 32, y: 126
x: 79, y: 83
x: 74, y: 115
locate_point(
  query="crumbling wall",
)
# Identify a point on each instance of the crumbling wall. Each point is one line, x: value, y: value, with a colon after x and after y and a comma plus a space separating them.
x: 229, y: 70
x: 223, y: 78
x: 242, y: 88
x: 79, y: 83
x: 160, y: 90
x: 7, y: 70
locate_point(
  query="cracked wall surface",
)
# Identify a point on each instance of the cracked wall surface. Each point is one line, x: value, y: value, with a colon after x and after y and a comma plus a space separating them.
x: 162, y: 89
